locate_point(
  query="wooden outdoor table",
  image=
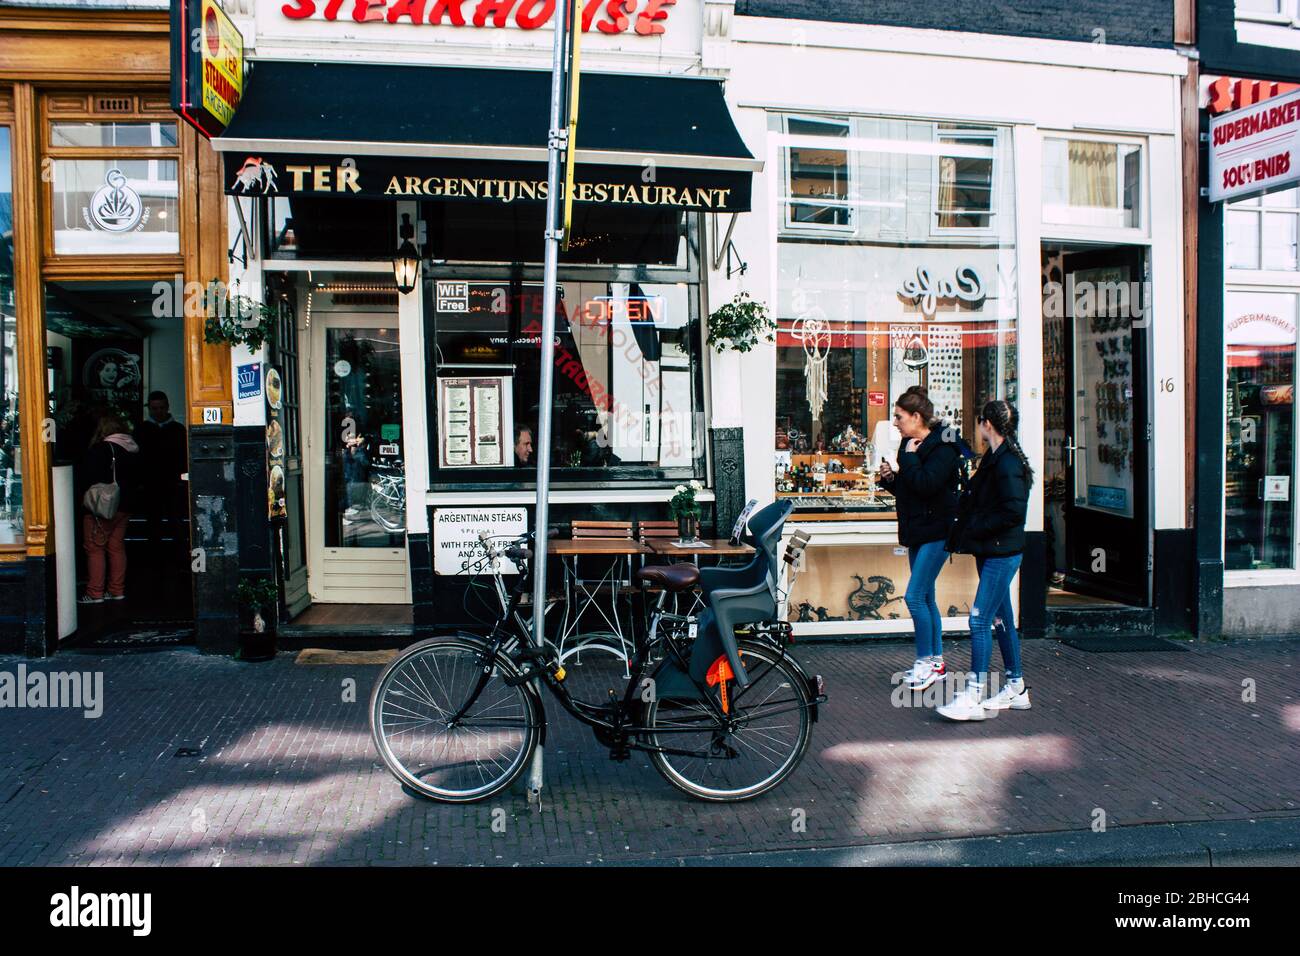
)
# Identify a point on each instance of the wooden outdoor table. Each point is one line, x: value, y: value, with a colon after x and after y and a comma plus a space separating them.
x: 585, y: 595
x: 722, y: 547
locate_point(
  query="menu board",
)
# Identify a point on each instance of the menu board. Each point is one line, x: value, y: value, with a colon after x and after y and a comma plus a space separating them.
x: 476, y: 422
x: 275, y: 500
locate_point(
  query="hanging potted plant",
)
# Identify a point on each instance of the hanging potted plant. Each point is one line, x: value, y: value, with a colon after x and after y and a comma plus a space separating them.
x: 686, y: 510
x: 259, y: 601
x: 740, y: 324
x: 236, y: 319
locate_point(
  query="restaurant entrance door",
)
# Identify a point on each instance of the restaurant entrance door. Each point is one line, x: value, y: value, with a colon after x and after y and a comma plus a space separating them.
x: 355, y: 468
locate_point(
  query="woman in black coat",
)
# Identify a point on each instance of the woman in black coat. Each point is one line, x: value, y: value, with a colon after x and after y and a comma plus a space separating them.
x: 925, y: 491
x: 991, y: 526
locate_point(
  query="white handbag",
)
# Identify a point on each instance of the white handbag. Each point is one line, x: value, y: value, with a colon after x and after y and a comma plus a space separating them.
x: 103, y: 499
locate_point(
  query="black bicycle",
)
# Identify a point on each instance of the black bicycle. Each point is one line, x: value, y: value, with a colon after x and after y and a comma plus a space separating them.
x: 456, y: 718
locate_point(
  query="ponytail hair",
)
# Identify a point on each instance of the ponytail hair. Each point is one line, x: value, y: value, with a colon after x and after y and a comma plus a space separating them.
x: 1005, y: 420
x: 916, y: 401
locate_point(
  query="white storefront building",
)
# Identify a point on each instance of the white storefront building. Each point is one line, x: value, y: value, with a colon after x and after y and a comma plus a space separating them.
x: 912, y: 190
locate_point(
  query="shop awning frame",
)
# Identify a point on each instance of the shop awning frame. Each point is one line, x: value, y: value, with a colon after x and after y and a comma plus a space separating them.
x: 675, y: 121
x: 227, y: 144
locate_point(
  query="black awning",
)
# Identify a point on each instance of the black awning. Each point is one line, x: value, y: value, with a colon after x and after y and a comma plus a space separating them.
x: 345, y: 129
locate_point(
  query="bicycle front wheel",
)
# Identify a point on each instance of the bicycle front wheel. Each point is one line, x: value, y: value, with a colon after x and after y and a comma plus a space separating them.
x: 766, y: 738
x: 456, y: 760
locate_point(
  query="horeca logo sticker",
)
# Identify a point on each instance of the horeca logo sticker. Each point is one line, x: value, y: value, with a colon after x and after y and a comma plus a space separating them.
x: 250, y: 381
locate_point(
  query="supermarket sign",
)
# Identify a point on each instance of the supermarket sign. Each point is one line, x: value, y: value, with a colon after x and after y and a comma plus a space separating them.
x: 1256, y: 149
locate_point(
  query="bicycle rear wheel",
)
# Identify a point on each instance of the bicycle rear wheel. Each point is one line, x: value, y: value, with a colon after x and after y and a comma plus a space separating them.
x: 479, y: 755
x: 771, y: 729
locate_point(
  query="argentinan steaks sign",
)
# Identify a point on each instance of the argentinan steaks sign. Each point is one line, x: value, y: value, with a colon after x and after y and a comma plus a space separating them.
x: 1256, y: 149
x: 373, y: 177
x: 642, y: 17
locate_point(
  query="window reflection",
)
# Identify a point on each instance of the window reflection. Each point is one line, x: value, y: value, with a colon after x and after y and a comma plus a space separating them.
x: 11, y: 485
x: 624, y: 377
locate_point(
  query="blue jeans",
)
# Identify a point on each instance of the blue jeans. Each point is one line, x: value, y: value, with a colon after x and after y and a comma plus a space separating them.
x: 992, y: 610
x: 926, y: 561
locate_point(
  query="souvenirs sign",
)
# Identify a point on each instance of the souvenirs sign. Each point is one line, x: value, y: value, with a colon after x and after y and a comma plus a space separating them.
x: 1256, y: 149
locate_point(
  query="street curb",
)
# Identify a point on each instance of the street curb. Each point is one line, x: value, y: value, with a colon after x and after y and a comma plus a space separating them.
x: 1258, y: 842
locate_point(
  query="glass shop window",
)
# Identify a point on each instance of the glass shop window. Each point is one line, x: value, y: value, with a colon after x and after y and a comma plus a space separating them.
x: 11, y: 469
x: 1092, y: 183
x: 861, y: 320
x: 114, y: 186
x: 1263, y: 232
x: 627, y: 380
x: 1259, y: 464
x: 964, y: 183
x: 817, y: 176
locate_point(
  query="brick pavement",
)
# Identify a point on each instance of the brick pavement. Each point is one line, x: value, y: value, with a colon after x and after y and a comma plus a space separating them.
x: 286, y: 772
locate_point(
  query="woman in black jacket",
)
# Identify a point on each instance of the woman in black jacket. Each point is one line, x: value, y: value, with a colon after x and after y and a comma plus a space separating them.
x: 925, y: 490
x: 991, y: 526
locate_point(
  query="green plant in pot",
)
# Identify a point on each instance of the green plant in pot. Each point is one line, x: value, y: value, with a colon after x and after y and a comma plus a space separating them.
x: 683, y: 506
x: 740, y: 324
x: 259, y: 600
x: 235, y: 319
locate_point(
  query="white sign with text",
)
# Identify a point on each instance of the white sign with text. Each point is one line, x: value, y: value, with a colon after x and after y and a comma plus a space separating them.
x: 1255, y: 149
x: 457, y: 548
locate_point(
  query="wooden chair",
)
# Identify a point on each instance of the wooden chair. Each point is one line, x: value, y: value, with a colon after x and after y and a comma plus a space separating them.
x: 656, y: 529
x: 617, y: 530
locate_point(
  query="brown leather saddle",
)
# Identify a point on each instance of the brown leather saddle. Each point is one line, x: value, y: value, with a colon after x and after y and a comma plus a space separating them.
x: 670, y: 577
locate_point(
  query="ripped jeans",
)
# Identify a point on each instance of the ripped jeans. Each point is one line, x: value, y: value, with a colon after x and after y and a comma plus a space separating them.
x: 992, y: 610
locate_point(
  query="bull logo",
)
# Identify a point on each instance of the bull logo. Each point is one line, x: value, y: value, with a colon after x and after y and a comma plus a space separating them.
x: 255, y: 176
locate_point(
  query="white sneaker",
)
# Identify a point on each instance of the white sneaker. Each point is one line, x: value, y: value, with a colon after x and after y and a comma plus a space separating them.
x: 1013, y: 696
x: 966, y: 705
x: 926, y: 672
x: 919, y: 669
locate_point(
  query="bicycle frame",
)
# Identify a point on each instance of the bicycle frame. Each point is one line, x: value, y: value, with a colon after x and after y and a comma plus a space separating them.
x: 512, y: 637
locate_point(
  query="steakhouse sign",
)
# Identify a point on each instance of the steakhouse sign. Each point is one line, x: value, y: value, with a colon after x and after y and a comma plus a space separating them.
x: 1256, y: 149
x: 642, y: 17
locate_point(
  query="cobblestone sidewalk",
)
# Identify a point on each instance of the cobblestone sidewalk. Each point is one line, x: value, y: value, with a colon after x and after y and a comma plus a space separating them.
x: 206, y: 761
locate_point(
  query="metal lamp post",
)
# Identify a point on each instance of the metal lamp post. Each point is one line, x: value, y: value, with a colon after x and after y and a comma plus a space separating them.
x: 556, y: 144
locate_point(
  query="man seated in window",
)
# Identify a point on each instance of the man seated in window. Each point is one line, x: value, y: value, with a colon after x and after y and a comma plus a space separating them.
x: 523, y: 446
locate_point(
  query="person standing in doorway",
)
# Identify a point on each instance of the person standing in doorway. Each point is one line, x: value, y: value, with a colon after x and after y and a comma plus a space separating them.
x: 991, y: 526
x: 113, y: 456
x: 164, y: 457
x: 925, y: 488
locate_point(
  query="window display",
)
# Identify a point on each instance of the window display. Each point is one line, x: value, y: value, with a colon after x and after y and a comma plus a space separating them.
x: 918, y: 290
x: 1259, y: 518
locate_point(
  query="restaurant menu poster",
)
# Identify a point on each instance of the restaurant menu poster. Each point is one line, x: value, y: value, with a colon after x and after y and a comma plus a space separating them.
x: 457, y: 547
x: 476, y: 422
